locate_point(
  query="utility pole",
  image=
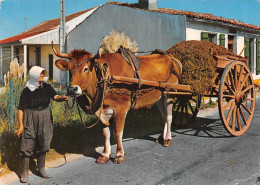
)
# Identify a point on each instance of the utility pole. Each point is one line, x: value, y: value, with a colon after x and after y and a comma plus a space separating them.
x: 62, y: 39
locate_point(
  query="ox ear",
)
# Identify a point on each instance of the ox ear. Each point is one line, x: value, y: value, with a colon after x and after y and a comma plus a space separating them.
x: 61, y: 64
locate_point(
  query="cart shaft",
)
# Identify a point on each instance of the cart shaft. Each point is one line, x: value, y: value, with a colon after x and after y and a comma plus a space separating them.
x: 163, y: 85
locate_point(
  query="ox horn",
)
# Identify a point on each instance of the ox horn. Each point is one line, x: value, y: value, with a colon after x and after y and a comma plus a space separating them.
x: 61, y: 55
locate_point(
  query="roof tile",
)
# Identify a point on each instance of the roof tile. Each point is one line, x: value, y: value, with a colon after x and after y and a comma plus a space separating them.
x: 205, y: 16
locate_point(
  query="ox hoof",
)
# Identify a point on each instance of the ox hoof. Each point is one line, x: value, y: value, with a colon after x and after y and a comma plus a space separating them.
x: 103, y: 159
x: 167, y: 142
x: 119, y: 160
x: 164, y: 142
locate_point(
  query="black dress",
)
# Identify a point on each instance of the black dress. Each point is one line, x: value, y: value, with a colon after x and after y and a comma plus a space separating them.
x: 37, y: 120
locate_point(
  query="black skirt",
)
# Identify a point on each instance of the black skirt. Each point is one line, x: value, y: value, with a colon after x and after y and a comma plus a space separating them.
x: 38, y: 131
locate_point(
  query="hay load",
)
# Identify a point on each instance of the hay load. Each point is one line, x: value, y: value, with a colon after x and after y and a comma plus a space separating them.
x: 199, y: 65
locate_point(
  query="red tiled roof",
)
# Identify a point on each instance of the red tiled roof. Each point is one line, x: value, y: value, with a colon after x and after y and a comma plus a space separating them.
x: 193, y: 15
x: 42, y: 27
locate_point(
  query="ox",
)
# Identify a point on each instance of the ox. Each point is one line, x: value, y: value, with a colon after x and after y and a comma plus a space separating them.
x: 114, y: 107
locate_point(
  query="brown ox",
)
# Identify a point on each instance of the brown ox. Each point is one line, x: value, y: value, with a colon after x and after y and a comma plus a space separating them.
x: 155, y: 67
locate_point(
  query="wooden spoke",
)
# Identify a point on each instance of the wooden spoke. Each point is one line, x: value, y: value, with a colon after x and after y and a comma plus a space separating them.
x: 186, y: 112
x: 228, y: 104
x: 191, y: 108
x: 234, y: 119
x: 231, y: 80
x: 229, y: 88
x: 245, y: 107
x: 240, y: 77
x: 248, y: 88
x: 182, y: 109
x: 238, y: 120
x: 235, y: 75
x: 228, y: 96
x: 230, y: 112
x: 178, y: 108
x: 243, y: 115
x: 174, y: 103
x: 244, y: 81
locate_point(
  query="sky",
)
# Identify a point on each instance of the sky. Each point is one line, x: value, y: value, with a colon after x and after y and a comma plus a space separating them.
x: 14, y: 12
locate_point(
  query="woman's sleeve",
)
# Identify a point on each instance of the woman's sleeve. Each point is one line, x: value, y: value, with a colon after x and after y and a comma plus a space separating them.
x: 52, y: 92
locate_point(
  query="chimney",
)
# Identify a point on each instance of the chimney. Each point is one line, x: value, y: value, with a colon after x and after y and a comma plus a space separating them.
x: 148, y: 4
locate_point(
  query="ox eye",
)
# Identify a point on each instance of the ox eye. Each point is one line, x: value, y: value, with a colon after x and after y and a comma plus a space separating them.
x: 85, y: 69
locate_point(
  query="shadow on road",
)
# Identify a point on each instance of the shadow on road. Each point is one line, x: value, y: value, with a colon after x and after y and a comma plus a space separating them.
x: 75, y: 138
x: 204, y: 127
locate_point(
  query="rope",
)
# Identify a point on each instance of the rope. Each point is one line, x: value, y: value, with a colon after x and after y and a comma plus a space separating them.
x: 82, y: 119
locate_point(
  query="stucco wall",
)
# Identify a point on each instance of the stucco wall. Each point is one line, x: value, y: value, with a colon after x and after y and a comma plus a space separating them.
x: 45, y: 52
x: 150, y: 30
x: 194, y: 29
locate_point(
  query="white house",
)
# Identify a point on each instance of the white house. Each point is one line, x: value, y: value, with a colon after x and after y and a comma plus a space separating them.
x: 151, y: 27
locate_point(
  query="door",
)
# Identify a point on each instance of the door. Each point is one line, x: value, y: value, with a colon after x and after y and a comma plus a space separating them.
x: 38, y: 55
x: 51, y: 66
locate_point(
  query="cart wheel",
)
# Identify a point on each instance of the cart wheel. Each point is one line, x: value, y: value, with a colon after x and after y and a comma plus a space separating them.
x: 236, y: 98
x: 185, y: 109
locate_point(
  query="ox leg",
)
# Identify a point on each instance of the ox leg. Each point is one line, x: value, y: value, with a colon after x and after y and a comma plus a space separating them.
x: 104, y: 116
x: 104, y: 157
x: 118, y: 134
x: 165, y: 107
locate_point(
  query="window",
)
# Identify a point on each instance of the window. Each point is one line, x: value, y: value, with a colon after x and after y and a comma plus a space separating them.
x: 212, y: 38
x: 208, y: 37
x: 248, y: 51
x: 231, y: 43
x: 222, y: 40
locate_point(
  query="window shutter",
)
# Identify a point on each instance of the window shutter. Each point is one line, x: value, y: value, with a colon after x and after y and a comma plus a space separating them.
x: 247, y: 51
x: 258, y: 56
x: 205, y: 36
x: 222, y: 40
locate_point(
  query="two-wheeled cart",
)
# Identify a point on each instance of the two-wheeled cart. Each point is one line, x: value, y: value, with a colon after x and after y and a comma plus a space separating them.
x: 233, y: 85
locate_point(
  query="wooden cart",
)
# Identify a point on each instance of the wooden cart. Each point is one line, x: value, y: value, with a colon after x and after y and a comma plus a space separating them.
x: 233, y: 85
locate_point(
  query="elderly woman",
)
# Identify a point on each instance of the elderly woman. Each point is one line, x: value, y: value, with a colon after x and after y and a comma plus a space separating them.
x: 35, y: 120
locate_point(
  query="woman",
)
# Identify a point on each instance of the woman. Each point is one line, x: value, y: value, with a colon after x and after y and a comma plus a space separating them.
x: 35, y: 120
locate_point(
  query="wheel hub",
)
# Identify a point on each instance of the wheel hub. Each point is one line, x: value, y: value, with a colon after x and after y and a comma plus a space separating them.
x: 238, y: 97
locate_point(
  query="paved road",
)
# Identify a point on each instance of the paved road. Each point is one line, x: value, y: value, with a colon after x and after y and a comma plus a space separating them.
x: 203, y: 154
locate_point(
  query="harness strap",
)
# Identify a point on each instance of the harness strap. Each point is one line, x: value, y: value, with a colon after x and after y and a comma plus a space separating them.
x: 129, y: 57
x: 101, y: 83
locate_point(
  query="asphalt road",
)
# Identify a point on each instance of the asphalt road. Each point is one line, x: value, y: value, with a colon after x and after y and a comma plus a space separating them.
x: 203, y: 154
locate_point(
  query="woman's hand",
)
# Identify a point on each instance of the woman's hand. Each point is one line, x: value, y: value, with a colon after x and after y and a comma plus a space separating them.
x: 59, y: 98
x: 20, y: 122
x: 19, y: 131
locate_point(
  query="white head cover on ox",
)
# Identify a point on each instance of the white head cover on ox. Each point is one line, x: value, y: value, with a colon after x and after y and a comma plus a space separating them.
x: 34, y: 75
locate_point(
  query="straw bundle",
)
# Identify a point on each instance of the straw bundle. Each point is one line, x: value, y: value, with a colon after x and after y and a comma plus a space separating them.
x: 111, y: 43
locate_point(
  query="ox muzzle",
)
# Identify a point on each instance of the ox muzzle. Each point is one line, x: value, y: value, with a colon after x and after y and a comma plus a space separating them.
x: 74, y: 91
